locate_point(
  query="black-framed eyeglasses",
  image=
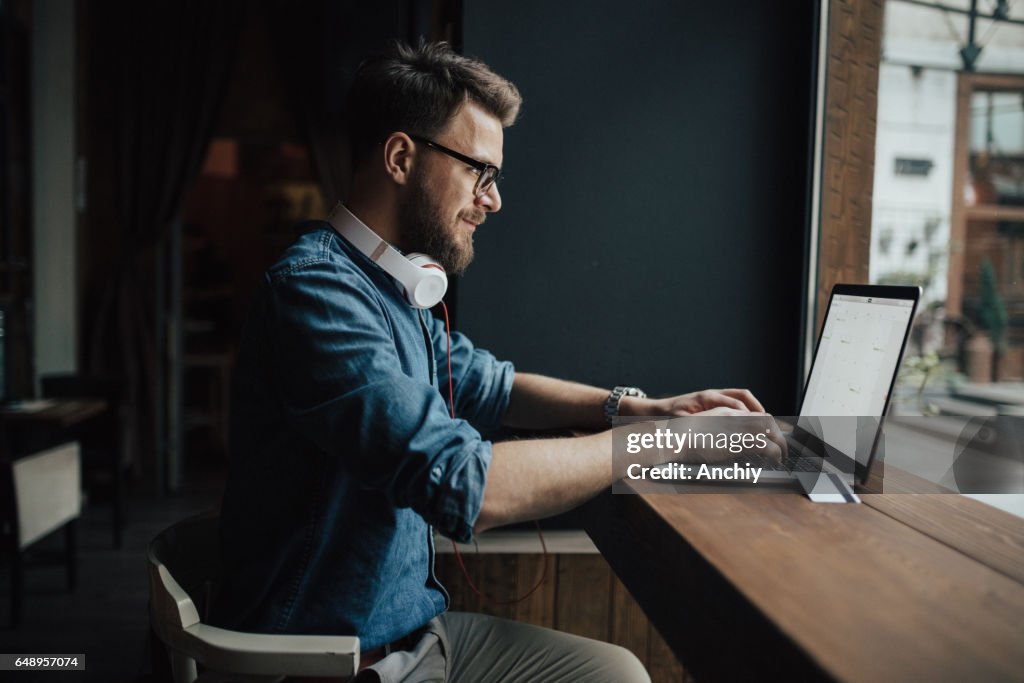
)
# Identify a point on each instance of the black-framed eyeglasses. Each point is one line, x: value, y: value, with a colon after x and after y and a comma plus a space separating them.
x: 487, y: 175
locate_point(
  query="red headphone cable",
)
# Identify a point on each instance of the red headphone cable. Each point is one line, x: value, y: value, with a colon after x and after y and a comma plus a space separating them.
x: 455, y: 547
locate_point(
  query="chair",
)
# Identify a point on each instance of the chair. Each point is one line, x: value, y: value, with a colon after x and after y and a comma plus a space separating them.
x: 40, y: 494
x: 183, y: 568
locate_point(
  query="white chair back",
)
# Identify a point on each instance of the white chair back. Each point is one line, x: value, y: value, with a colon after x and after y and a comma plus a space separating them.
x: 184, y: 570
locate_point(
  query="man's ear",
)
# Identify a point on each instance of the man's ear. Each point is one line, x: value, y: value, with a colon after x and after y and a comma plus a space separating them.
x: 399, y: 156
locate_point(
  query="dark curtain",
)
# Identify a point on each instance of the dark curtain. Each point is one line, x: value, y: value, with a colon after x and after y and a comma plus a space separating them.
x: 317, y: 51
x: 170, y: 61
x: 309, y: 49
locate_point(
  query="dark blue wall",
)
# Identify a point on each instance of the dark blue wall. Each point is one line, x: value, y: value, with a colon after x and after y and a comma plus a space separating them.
x: 654, y: 221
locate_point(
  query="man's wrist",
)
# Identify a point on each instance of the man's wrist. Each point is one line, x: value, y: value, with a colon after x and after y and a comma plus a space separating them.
x: 619, y: 402
x: 634, y: 406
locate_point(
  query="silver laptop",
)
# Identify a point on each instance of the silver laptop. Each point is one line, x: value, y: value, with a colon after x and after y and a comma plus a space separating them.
x: 848, y: 390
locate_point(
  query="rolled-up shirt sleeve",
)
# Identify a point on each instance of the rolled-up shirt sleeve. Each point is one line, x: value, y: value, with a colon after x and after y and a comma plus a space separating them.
x: 342, y: 386
x: 482, y: 384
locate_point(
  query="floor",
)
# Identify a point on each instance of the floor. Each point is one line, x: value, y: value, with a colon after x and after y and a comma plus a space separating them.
x: 106, y: 618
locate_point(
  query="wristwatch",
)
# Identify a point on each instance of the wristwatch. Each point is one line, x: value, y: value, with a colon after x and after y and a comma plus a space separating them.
x: 611, y: 404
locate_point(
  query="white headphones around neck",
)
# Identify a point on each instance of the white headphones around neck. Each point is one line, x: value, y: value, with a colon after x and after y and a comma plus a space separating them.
x: 422, y: 278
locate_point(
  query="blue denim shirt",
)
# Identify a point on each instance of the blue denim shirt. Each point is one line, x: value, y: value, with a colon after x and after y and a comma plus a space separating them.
x: 344, y: 453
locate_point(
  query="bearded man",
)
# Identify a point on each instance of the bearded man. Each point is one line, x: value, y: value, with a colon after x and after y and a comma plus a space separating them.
x: 345, y: 456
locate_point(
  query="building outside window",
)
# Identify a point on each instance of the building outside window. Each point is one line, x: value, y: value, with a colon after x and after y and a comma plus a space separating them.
x: 948, y: 200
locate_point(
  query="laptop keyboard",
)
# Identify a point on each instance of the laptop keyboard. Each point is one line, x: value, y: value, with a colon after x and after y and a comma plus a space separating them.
x: 792, y: 462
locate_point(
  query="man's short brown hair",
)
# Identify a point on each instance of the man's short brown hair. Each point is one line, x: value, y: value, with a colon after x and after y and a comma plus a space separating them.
x: 419, y: 90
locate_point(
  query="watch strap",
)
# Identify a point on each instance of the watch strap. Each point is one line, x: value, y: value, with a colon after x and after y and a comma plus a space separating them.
x: 611, y: 404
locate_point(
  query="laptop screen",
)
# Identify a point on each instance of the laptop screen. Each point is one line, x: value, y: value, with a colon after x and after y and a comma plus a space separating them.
x: 858, y: 356
x: 862, y: 341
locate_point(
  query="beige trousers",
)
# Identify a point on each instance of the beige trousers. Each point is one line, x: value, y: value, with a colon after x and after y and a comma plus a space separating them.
x: 459, y: 647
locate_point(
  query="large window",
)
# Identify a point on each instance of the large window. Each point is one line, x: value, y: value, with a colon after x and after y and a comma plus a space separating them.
x: 948, y: 200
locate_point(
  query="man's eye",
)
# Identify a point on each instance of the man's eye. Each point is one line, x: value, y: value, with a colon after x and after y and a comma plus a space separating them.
x: 475, y: 170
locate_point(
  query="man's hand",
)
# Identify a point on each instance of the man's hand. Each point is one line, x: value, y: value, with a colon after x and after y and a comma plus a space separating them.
x: 690, y: 404
x: 723, y: 435
x: 740, y: 422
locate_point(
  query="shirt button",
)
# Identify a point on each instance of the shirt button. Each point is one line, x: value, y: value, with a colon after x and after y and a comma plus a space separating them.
x: 437, y: 472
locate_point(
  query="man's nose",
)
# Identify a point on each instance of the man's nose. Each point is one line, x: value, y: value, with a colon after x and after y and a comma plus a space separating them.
x: 490, y: 200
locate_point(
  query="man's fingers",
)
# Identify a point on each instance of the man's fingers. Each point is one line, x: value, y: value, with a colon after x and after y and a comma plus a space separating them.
x: 746, y: 398
x: 733, y: 403
x: 724, y: 411
x: 776, y: 438
x: 764, y: 425
x: 714, y: 398
x: 777, y: 449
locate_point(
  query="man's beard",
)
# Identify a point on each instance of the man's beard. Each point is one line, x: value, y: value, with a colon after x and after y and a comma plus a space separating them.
x: 426, y: 231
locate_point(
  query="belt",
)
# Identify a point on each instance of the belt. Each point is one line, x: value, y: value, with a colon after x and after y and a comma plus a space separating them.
x: 368, y: 658
x: 407, y: 642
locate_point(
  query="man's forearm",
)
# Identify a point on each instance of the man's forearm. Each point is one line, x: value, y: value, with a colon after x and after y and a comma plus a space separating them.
x: 539, y: 402
x: 533, y: 479
x: 536, y: 478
